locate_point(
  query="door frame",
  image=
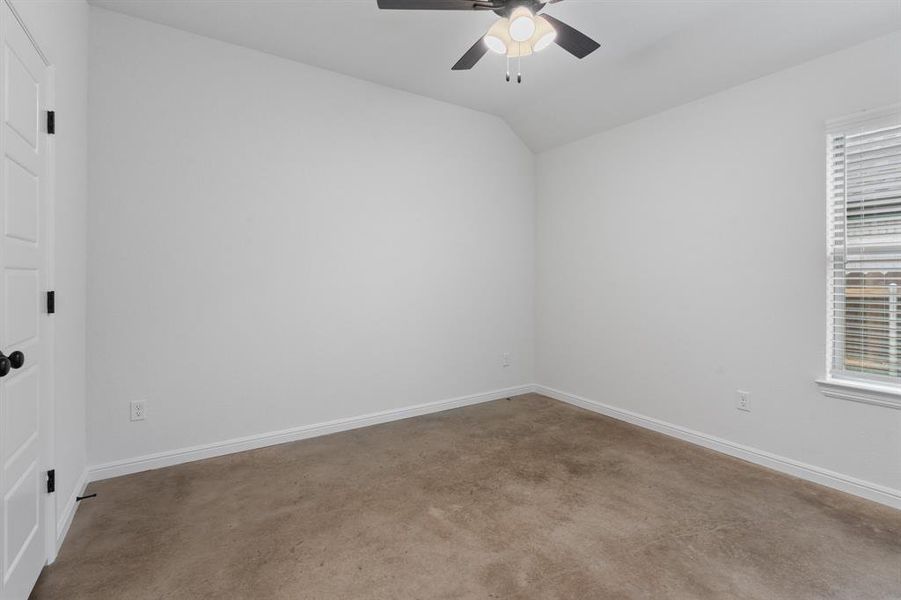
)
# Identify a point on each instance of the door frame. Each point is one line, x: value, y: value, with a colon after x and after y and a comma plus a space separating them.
x: 48, y: 203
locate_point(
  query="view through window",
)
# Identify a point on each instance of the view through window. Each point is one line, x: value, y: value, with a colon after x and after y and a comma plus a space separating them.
x: 865, y: 248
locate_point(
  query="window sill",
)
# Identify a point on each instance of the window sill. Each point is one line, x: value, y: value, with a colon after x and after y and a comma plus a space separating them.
x: 859, y: 391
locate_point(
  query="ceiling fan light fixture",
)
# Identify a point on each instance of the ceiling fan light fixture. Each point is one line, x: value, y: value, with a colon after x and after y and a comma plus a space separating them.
x: 497, y: 39
x: 544, y: 36
x: 517, y: 50
x: 522, y: 24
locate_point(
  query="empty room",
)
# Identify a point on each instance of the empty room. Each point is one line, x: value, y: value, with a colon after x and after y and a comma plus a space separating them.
x: 450, y: 299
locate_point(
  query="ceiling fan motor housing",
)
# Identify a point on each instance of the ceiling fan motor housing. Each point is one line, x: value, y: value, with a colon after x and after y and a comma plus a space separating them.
x: 504, y: 9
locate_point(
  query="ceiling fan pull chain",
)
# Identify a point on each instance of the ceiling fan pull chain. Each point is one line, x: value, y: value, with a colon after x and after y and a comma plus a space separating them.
x: 508, y: 67
x: 519, y: 66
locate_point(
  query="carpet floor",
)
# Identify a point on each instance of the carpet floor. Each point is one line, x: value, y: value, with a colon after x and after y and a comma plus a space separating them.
x: 521, y: 498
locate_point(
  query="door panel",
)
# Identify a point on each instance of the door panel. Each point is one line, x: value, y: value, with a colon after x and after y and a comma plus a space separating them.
x: 22, y: 114
x: 21, y: 516
x: 21, y: 419
x: 24, y: 407
x: 22, y: 201
x: 20, y: 306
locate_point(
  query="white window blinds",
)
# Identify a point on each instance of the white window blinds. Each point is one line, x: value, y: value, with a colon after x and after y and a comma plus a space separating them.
x: 864, y: 182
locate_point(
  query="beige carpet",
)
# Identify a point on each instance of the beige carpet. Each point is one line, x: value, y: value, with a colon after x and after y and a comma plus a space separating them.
x: 526, y: 498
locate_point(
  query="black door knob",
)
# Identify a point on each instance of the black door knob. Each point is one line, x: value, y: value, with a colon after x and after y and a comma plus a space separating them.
x: 14, y: 361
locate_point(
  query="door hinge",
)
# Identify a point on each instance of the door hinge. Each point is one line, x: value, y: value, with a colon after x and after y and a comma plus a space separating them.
x: 51, y: 122
x: 51, y: 481
x: 51, y: 302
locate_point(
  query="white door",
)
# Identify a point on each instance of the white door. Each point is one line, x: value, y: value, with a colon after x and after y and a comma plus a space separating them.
x: 24, y: 405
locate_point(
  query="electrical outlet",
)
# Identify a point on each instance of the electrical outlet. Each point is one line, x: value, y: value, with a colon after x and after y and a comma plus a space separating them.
x: 138, y: 412
x: 743, y: 401
x: 506, y: 358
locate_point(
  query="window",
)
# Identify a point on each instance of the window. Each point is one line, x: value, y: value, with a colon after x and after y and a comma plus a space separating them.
x: 864, y: 227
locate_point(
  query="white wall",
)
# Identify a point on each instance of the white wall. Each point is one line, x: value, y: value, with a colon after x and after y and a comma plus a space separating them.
x: 682, y: 257
x: 61, y: 30
x: 274, y: 245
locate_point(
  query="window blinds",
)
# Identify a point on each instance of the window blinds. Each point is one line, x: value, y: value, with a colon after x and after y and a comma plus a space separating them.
x: 865, y: 250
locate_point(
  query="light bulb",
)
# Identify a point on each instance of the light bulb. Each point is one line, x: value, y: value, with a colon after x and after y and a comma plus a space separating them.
x: 522, y: 24
x: 544, y: 34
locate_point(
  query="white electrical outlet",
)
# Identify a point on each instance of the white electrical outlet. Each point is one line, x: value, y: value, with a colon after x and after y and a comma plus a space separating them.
x: 743, y: 401
x: 138, y: 410
x: 506, y: 359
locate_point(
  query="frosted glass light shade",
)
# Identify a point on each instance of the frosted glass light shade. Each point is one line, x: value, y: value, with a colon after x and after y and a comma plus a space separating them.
x: 544, y: 35
x: 497, y: 39
x: 522, y: 25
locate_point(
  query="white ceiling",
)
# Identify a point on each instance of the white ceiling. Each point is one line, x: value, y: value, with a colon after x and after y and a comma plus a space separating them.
x: 654, y: 54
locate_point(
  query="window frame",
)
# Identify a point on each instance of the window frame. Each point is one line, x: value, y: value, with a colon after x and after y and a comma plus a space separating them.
x: 870, y: 389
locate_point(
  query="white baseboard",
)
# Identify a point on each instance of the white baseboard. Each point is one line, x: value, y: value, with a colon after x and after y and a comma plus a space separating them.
x: 183, y: 455
x: 838, y: 481
x: 65, y: 519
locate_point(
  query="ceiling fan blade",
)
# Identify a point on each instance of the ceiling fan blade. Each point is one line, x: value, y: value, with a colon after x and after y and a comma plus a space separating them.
x: 572, y: 40
x: 439, y: 4
x: 472, y: 56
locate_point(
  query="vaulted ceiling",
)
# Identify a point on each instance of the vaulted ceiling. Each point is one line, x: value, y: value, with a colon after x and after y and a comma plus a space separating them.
x: 654, y: 54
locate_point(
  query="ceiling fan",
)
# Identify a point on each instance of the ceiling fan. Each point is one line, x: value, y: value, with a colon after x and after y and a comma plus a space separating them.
x: 519, y: 32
